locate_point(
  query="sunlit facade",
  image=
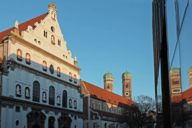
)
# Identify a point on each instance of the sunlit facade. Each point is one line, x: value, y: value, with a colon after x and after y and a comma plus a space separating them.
x: 39, y: 78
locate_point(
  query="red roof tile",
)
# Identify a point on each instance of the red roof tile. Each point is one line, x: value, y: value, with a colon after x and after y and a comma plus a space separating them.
x: 186, y: 95
x: 102, y: 94
x: 23, y: 26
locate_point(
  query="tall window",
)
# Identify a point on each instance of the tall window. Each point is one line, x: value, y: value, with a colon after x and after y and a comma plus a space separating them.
x: 52, y: 39
x: 58, y: 71
x: 18, y: 90
x: 75, y: 104
x: 51, y: 69
x: 27, y: 93
x: 64, y: 104
x: 28, y: 58
x: 70, y: 77
x: 51, y: 95
x: 44, y: 97
x: 36, y: 91
x: 70, y: 103
x: 44, y: 65
x: 58, y: 100
x: 75, y: 79
x: 19, y: 54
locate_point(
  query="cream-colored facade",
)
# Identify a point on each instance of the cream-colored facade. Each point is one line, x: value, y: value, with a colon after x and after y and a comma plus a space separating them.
x: 40, y: 80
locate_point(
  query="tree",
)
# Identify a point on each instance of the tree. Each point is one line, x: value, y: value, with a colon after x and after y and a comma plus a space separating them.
x: 146, y: 105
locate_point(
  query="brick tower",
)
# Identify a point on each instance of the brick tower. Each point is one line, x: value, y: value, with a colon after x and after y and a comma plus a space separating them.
x: 190, y: 77
x: 108, y: 81
x: 127, y: 84
x: 175, y: 81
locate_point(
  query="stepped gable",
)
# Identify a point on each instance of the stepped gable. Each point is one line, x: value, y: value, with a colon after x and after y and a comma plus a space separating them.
x: 23, y: 26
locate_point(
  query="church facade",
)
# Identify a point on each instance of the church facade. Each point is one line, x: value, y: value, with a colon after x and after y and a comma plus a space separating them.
x: 39, y: 78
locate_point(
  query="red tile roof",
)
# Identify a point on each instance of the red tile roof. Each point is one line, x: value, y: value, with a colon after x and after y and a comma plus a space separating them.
x: 186, y: 95
x: 23, y: 26
x: 99, y: 93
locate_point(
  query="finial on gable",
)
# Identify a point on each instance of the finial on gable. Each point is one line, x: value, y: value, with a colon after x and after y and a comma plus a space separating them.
x: 52, y: 10
x: 52, y: 7
x: 16, y: 24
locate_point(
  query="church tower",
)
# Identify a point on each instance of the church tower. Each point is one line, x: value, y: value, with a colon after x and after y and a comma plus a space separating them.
x: 127, y: 84
x: 175, y: 81
x: 108, y: 81
x: 190, y: 77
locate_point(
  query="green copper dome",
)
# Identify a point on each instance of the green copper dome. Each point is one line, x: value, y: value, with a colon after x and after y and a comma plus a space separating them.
x: 126, y: 74
x: 175, y: 70
x: 108, y: 75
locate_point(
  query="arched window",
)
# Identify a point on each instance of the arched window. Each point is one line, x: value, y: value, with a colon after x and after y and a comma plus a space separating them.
x: 44, y: 97
x: 27, y: 93
x: 36, y: 91
x: 64, y: 104
x: 58, y: 100
x: 51, y: 69
x: 18, y: 90
x: 52, y: 29
x: 58, y: 71
x: 52, y: 39
x: 75, y: 79
x: 75, y: 104
x: 51, y: 95
x: 28, y: 58
x: 44, y: 65
x: 19, y: 54
x: 51, y: 122
x: 70, y: 77
x: 70, y: 103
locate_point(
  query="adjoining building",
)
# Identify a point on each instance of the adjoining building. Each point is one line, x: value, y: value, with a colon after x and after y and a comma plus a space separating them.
x: 39, y: 78
x: 105, y: 109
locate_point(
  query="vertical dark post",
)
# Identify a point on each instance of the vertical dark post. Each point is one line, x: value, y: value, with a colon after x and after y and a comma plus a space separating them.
x: 166, y: 102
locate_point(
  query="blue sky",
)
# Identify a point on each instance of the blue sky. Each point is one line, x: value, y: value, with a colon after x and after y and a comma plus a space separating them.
x: 105, y: 35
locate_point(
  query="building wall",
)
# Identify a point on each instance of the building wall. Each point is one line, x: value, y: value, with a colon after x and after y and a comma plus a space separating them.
x: 23, y: 67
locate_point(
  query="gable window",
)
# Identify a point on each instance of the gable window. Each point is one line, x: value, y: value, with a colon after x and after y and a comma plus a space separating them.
x: 70, y: 77
x: 51, y: 95
x: 28, y: 58
x: 19, y: 54
x: 58, y: 100
x: 75, y: 104
x: 64, y: 103
x: 27, y: 93
x: 18, y: 90
x: 58, y: 71
x: 45, y: 34
x: 53, y: 39
x: 44, y: 97
x: 36, y: 91
x: 75, y: 79
x: 52, y: 29
x: 44, y: 65
x: 70, y: 103
x: 59, y: 42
